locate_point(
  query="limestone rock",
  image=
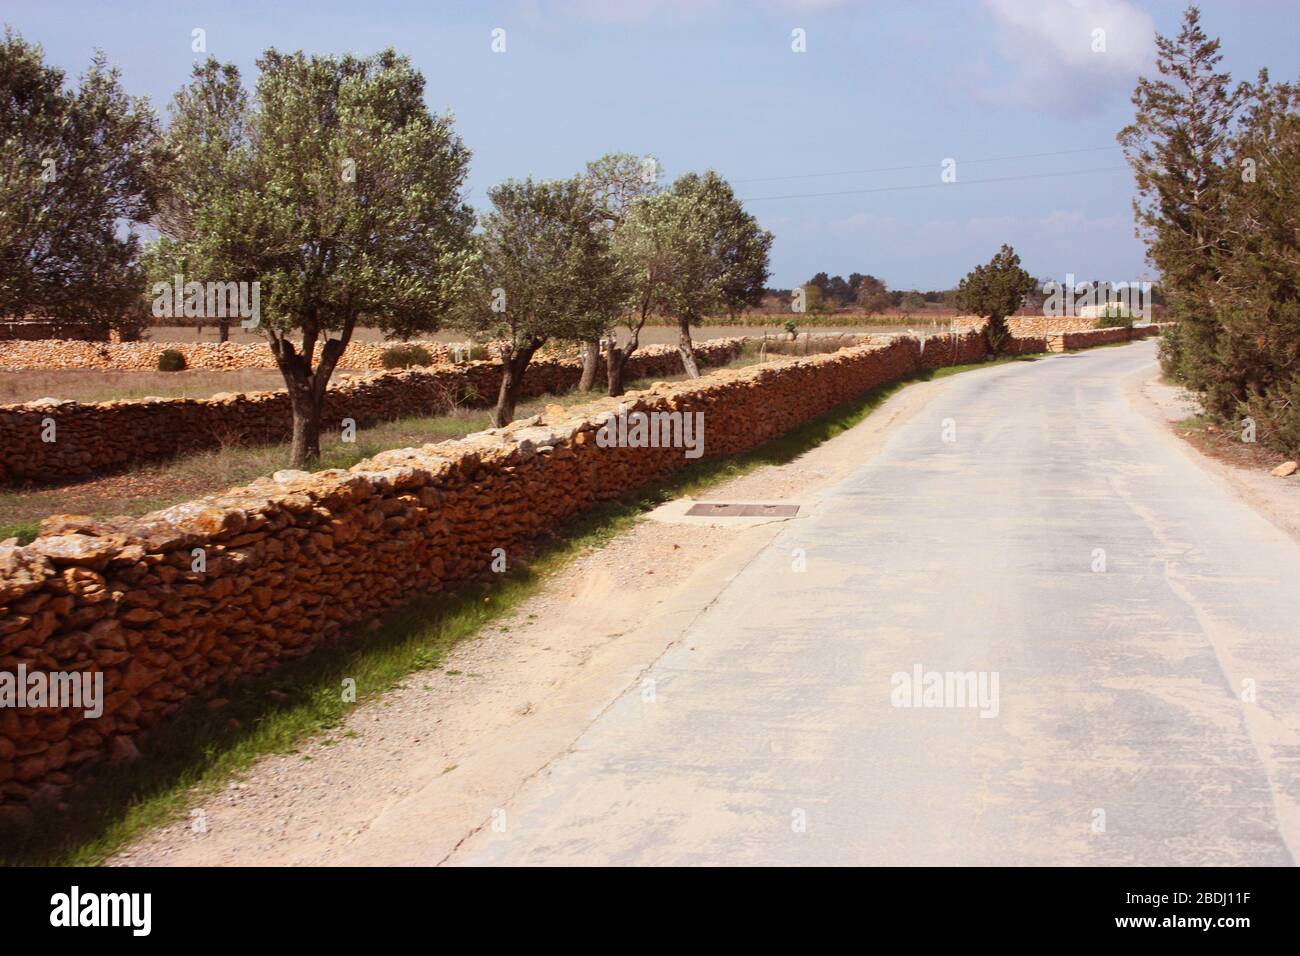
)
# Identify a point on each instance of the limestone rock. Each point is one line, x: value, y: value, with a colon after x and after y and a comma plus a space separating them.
x: 22, y: 571
x: 78, y: 550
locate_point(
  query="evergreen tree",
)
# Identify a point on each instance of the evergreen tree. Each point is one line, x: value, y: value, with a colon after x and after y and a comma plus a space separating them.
x: 1178, y: 145
x: 995, y: 291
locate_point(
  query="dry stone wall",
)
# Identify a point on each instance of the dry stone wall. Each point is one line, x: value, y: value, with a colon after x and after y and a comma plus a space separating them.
x: 98, y: 438
x: 1030, y: 325
x: 1095, y: 337
x: 212, y: 356
x: 295, y: 560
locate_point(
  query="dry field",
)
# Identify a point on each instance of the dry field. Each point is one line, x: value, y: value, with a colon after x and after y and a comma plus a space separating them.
x: 98, y: 385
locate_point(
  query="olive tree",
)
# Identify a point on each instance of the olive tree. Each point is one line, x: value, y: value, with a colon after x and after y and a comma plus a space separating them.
x: 335, y: 188
x: 645, y: 246
x: 616, y: 180
x: 207, y: 139
x: 995, y: 291
x: 78, y: 173
x: 719, y: 256
x: 543, y: 270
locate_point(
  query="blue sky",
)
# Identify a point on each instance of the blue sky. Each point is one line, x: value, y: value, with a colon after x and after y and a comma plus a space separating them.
x: 715, y: 83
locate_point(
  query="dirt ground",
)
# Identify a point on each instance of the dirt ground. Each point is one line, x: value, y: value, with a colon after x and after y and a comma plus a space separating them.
x: 1244, y: 466
x: 99, y: 385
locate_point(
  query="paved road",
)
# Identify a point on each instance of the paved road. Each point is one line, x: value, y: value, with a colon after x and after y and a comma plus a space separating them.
x: 1118, y: 734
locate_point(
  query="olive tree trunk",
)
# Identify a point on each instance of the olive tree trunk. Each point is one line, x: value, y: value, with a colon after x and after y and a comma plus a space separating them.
x: 306, y: 424
x: 514, y: 362
x: 590, y: 362
x: 687, y: 349
x: 616, y: 366
x: 307, y: 385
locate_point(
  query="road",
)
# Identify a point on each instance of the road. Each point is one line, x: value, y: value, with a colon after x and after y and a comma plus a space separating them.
x: 1134, y: 625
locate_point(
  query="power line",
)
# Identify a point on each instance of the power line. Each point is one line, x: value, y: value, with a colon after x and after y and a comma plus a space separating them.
x: 929, y: 165
x: 960, y: 182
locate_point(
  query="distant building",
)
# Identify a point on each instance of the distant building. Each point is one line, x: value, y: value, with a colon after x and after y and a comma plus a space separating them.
x: 1114, y: 309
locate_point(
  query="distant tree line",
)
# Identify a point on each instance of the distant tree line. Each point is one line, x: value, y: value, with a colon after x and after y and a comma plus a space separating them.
x: 859, y: 292
x: 824, y: 293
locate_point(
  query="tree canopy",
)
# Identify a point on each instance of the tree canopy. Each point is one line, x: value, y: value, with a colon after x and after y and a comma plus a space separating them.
x: 543, y: 270
x: 335, y: 189
x: 719, y: 255
x: 78, y: 172
x: 995, y: 290
x: 1215, y: 165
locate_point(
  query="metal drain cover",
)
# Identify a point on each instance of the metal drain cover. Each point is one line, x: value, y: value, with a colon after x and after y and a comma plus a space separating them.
x: 714, y: 509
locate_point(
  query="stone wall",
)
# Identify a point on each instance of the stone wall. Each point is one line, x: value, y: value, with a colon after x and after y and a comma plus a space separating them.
x: 99, y: 438
x: 1095, y: 337
x: 213, y: 356
x: 1030, y: 325
x: 295, y: 560
x: 1024, y: 342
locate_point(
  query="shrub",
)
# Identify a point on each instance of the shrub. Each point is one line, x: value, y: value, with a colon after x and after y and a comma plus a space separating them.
x: 405, y: 355
x: 1114, y: 318
x: 790, y: 326
x: 171, y: 360
x: 995, y: 291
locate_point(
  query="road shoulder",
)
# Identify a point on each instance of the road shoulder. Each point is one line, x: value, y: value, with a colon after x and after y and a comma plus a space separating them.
x: 1276, y: 499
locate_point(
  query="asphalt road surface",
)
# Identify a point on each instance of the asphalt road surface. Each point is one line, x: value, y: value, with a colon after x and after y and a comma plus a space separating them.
x: 1107, y: 643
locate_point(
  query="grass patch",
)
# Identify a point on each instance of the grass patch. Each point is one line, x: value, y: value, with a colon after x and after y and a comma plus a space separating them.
x: 24, y: 531
x: 1223, y: 440
x: 947, y: 370
x: 201, y: 750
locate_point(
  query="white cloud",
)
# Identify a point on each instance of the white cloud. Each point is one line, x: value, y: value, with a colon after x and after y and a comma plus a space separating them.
x: 1070, y: 56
